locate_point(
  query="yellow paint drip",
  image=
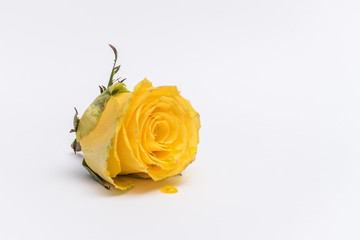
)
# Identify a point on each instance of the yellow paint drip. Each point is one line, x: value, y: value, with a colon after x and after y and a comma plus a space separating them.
x: 169, y: 189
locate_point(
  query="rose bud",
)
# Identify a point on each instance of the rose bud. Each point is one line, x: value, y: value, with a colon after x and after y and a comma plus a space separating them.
x: 152, y: 132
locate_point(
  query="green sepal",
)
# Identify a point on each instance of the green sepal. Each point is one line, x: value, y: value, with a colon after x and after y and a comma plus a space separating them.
x: 76, y: 146
x: 76, y: 120
x: 95, y: 176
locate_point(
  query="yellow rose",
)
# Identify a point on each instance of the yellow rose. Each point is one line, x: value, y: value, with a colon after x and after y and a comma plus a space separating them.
x: 150, y: 132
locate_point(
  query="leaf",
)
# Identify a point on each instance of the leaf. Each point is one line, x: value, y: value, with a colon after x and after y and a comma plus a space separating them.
x: 116, y: 69
x: 119, y: 80
x: 95, y: 176
x: 115, y: 51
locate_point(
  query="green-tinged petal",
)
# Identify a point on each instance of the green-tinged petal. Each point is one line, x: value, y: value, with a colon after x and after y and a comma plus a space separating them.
x: 92, y: 114
x: 97, y: 143
x: 118, y: 88
x: 95, y: 176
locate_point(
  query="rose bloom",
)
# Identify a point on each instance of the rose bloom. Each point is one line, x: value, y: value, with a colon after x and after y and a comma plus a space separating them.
x: 152, y: 132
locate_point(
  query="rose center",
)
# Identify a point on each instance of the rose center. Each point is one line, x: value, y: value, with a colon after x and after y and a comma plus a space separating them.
x: 161, y: 131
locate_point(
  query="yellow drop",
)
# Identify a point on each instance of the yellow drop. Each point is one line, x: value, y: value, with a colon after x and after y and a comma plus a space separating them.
x: 193, y: 150
x: 169, y: 189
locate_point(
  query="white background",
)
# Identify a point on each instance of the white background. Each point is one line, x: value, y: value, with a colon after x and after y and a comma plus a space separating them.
x: 277, y: 86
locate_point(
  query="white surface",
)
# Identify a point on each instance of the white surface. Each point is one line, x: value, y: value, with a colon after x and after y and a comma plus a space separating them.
x: 277, y: 86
